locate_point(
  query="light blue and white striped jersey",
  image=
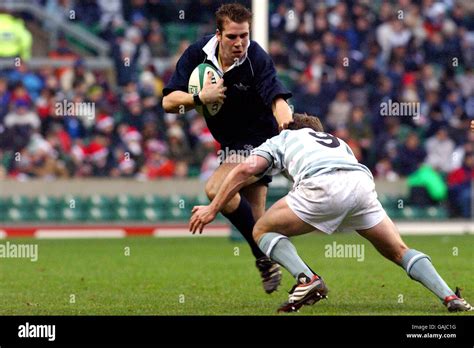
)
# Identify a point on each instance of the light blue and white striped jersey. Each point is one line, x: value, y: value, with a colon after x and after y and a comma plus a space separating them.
x: 306, y: 153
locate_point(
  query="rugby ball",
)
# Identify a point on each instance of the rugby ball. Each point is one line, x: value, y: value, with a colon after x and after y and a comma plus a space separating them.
x: 195, y: 84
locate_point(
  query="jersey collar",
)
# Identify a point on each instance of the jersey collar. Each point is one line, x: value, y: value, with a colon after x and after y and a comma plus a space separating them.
x: 210, y: 50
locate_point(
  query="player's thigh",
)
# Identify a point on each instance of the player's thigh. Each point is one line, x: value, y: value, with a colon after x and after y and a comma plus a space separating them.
x: 386, y: 239
x: 281, y: 219
x: 218, y: 177
x: 256, y: 195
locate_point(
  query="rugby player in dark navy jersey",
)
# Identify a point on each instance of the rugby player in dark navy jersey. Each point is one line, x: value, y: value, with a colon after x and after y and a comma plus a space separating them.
x: 254, y: 108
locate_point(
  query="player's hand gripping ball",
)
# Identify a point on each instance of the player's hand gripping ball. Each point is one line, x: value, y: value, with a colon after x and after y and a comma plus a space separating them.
x: 206, y: 79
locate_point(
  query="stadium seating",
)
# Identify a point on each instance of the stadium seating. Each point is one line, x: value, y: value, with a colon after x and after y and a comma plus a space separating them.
x: 72, y: 215
x: 125, y: 214
x: 100, y: 202
x: 3, y: 207
x: 45, y: 214
x: 439, y: 213
x: 155, y: 208
x: 46, y: 202
x: 154, y: 201
x: 412, y: 213
x: 18, y: 208
x: 152, y: 214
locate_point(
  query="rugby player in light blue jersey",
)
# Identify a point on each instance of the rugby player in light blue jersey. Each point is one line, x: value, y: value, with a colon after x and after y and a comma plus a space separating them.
x: 331, y: 191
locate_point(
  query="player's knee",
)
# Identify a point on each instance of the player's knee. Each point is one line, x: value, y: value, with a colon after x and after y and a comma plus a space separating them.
x: 211, y: 190
x: 258, y: 231
x: 256, y: 234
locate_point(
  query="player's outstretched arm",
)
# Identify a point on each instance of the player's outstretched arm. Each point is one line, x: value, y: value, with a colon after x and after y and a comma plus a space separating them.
x: 242, y: 175
x: 282, y: 112
x: 176, y: 101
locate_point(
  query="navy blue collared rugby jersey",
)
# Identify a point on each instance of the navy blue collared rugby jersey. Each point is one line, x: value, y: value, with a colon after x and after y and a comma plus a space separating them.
x: 246, y: 115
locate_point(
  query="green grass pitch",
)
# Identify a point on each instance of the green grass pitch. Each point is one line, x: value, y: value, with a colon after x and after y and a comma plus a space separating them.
x: 210, y: 276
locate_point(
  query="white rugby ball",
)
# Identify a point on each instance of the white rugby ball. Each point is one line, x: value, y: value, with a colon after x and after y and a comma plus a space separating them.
x: 195, y: 84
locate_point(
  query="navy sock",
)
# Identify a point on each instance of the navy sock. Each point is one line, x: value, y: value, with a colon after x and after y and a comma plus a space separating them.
x: 242, y: 218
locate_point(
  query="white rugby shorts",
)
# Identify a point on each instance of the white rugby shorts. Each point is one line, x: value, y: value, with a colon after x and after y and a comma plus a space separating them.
x: 339, y: 200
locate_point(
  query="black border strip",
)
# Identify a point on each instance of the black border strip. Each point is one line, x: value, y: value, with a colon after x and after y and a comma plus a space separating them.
x: 261, y: 330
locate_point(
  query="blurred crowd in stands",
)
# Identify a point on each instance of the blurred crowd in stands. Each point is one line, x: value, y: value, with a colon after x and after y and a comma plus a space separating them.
x: 341, y: 59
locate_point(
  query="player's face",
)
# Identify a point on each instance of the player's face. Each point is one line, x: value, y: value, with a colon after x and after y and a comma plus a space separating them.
x: 234, y: 39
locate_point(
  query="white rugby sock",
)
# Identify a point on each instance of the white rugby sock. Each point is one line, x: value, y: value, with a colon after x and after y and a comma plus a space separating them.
x: 419, y: 267
x: 279, y: 248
